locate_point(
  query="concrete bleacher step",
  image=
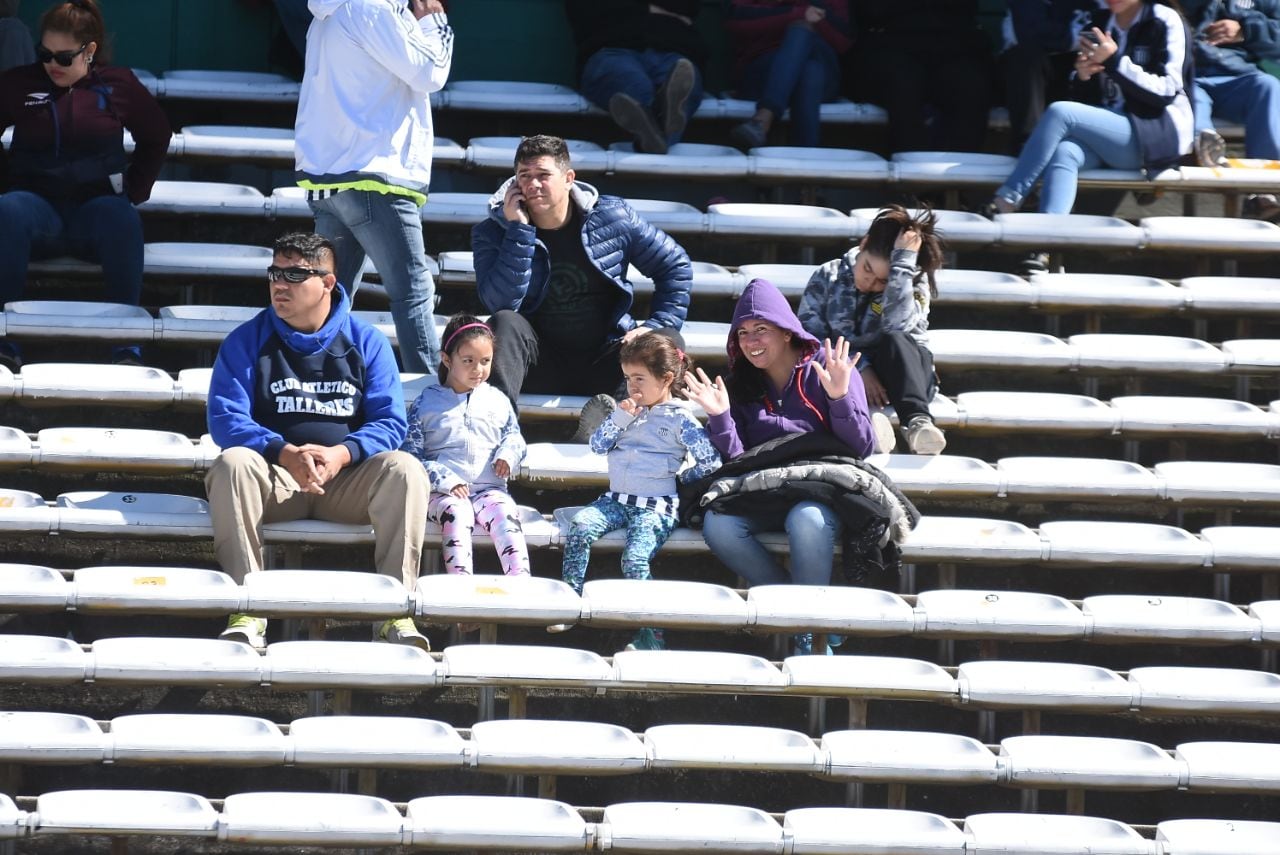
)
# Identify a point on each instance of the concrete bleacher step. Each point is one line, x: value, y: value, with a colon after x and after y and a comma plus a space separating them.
x: 370, y: 666
x: 442, y: 599
x: 516, y: 824
x: 586, y: 748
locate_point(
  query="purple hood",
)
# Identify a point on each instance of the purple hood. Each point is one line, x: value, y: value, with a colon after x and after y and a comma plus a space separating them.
x: 762, y: 301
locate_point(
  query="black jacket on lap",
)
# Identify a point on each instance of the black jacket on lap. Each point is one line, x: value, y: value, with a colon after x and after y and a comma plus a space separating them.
x: 770, y: 479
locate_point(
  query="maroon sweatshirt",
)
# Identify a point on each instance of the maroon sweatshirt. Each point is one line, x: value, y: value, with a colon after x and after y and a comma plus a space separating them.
x: 67, y: 142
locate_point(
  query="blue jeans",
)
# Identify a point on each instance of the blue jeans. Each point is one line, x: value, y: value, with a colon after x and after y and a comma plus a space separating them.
x: 802, y: 73
x: 388, y: 228
x: 638, y: 73
x: 106, y: 230
x: 1252, y: 100
x: 1068, y: 138
x: 647, y: 530
x: 812, y: 529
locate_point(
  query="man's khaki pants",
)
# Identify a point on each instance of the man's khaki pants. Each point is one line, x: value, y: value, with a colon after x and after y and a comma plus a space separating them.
x: 388, y: 490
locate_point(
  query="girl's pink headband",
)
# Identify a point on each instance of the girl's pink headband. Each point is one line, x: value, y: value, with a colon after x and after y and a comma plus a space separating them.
x: 474, y: 325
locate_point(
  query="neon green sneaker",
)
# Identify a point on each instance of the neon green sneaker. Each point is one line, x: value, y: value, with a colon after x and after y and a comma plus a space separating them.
x: 402, y: 631
x: 246, y: 629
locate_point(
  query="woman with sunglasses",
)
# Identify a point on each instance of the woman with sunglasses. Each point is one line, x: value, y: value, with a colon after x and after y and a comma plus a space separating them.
x: 67, y: 185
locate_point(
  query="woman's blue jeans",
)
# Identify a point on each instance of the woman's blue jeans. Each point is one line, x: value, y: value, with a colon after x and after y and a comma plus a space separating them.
x: 801, y: 74
x: 1068, y: 138
x: 812, y: 529
x: 106, y: 230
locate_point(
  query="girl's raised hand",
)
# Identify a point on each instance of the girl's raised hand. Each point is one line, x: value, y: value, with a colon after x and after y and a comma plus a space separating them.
x: 713, y: 397
x: 838, y: 369
x: 629, y: 406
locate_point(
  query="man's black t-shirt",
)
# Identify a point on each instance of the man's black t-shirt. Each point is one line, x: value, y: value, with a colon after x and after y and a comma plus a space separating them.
x: 579, y: 307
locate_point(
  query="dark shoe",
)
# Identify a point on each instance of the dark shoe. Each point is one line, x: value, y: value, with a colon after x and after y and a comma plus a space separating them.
x: 129, y: 354
x: 674, y: 97
x: 10, y: 356
x: 1211, y: 149
x: 634, y: 118
x: 647, y: 639
x: 1262, y: 206
x: 593, y: 414
x: 1036, y: 262
x: 748, y: 135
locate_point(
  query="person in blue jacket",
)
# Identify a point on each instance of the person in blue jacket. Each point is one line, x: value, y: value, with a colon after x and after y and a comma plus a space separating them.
x: 305, y: 403
x: 551, y: 265
x: 1231, y: 38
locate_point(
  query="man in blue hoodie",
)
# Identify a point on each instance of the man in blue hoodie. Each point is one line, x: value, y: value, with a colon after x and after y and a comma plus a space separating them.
x: 306, y: 404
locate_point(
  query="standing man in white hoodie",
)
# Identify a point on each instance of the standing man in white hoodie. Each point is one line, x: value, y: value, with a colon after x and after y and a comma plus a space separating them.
x: 363, y: 145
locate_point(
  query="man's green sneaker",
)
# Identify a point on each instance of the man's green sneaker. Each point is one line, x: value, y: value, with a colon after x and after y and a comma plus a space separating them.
x: 402, y: 631
x: 246, y: 629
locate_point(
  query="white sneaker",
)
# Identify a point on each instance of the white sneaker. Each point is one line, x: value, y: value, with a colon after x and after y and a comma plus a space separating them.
x: 924, y: 437
x: 886, y: 437
x: 246, y: 629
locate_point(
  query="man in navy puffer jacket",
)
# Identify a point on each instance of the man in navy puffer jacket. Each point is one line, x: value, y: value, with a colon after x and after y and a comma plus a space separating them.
x: 551, y: 265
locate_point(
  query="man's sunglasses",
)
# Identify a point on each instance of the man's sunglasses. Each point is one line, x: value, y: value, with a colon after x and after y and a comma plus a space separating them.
x: 64, y: 58
x: 293, y: 275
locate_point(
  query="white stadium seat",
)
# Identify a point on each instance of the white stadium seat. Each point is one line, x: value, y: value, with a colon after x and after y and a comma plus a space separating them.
x: 990, y: 614
x: 725, y: 746
x: 870, y: 831
x: 326, y: 819
x: 495, y: 822
x: 348, y: 664
x: 908, y: 755
x: 45, y: 737
x: 1171, y: 619
x: 1047, y: 834
x: 126, y: 812
x: 1088, y: 761
x: 1043, y: 685
x: 196, y: 738
x: 1217, y: 837
x: 378, y: 741
x: 556, y: 747
x: 682, y: 827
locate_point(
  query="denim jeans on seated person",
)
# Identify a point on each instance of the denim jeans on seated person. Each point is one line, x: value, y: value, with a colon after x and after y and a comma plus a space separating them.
x: 1068, y: 138
x: 105, y: 230
x: 812, y: 529
x: 801, y: 74
x: 638, y: 73
x: 388, y: 228
x: 1252, y: 100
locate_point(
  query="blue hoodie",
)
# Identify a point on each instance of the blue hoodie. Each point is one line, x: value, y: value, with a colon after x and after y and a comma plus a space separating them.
x: 802, y: 404
x: 273, y: 385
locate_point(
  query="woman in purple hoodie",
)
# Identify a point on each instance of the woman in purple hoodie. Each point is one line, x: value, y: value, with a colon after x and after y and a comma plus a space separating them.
x: 781, y: 381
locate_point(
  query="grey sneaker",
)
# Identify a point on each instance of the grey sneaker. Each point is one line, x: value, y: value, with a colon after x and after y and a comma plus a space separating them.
x: 924, y: 437
x: 401, y: 631
x: 1211, y: 148
x: 246, y: 629
x: 593, y: 414
x: 748, y: 135
x: 635, y: 118
x: 674, y: 97
x: 886, y: 438
x: 556, y: 628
